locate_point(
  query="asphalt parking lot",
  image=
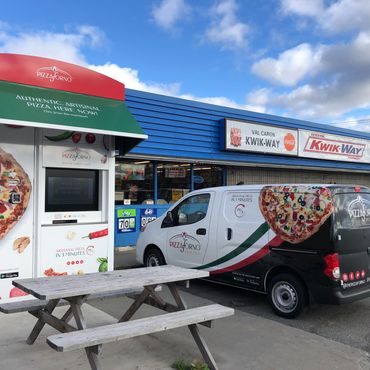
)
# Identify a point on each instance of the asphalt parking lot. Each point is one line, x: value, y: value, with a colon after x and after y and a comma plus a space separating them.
x: 348, y: 324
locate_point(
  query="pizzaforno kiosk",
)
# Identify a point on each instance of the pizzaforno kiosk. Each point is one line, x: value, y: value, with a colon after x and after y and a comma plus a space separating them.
x: 60, y: 127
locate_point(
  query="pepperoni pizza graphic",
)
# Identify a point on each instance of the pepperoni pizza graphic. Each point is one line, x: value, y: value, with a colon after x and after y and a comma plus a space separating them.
x: 15, y: 191
x: 295, y: 213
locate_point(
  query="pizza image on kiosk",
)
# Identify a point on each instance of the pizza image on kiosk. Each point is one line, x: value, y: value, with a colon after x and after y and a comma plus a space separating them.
x: 295, y: 213
x: 15, y: 191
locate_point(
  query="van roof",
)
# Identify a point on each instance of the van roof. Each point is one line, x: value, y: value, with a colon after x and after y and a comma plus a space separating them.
x: 334, y: 187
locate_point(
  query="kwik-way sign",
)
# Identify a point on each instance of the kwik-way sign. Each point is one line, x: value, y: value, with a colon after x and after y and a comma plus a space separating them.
x: 333, y: 147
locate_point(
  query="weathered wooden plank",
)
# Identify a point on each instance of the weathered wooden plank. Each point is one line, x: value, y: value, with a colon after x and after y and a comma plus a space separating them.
x: 53, y: 321
x: 73, y: 285
x: 38, y: 304
x: 168, y: 307
x: 26, y: 305
x: 129, y: 329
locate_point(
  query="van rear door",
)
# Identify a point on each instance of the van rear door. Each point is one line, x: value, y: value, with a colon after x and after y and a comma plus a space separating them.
x: 352, y: 239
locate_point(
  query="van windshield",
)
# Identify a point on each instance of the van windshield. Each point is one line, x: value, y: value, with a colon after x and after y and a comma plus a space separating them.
x: 352, y: 211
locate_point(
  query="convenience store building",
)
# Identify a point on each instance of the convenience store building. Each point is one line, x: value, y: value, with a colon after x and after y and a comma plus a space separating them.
x: 193, y: 145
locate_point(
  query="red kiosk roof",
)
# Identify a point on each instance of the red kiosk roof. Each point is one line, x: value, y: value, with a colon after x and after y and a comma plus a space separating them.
x: 54, y: 74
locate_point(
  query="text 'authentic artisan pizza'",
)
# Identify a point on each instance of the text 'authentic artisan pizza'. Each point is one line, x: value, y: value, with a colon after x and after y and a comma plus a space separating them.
x: 15, y: 191
x: 295, y: 213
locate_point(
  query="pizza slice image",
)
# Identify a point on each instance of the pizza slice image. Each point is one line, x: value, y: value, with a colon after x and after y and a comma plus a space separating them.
x: 295, y: 213
x: 15, y: 191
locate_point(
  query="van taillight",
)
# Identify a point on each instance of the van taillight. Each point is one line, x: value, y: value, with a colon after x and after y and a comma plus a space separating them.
x: 332, y: 269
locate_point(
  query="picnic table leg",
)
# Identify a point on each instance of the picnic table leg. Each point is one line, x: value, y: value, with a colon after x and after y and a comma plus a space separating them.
x: 68, y: 315
x: 49, y: 308
x: 194, y: 330
x: 139, y: 300
x: 91, y: 352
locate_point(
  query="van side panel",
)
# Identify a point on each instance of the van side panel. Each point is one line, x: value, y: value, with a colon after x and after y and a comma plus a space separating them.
x: 242, y: 237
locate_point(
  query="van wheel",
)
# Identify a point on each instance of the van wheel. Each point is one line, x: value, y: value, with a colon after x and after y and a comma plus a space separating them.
x: 287, y: 295
x: 154, y: 257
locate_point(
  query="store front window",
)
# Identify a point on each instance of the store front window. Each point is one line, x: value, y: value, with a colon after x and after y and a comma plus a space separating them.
x: 173, y: 181
x: 134, y: 183
x: 151, y: 182
x: 207, y: 176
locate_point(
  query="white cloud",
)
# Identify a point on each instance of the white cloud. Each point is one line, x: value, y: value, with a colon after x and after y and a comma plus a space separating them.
x: 259, y: 97
x: 335, y: 77
x: 169, y: 12
x: 352, y: 123
x: 311, y: 8
x: 346, y: 15
x: 225, y: 28
x: 226, y: 102
x: 338, y: 17
x: 130, y: 77
x: 290, y: 67
x: 62, y: 46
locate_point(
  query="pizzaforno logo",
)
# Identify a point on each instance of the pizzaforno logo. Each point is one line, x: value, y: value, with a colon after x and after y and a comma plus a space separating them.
x: 76, y: 155
x: 53, y: 74
x: 185, y: 243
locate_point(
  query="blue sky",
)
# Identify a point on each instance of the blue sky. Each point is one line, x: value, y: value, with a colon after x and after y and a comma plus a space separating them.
x: 307, y: 59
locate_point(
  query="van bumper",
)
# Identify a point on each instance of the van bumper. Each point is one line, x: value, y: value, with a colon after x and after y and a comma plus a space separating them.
x: 338, y: 296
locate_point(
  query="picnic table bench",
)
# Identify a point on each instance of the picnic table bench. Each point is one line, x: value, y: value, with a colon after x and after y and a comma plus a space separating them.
x: 140, y: 284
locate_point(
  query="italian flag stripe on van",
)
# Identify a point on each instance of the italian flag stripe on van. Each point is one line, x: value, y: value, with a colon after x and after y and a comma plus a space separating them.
x: 252, y: 239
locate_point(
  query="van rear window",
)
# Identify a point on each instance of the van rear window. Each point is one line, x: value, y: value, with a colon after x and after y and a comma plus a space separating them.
x: 352, y: 210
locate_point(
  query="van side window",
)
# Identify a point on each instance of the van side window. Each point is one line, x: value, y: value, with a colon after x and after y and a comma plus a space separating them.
x: 189, y: 211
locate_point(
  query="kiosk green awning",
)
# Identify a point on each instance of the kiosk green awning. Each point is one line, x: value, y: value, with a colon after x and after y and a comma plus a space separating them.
x: 47, y: 108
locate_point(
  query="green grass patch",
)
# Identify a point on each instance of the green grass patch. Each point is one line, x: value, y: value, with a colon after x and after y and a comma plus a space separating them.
x: 195, y: 365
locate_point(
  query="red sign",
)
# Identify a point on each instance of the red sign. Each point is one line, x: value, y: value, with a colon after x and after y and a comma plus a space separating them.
x: 54, y: 74
x: 339, y: 147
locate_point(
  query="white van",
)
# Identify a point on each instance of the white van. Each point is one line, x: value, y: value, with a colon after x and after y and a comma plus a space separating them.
x: 293, y: 242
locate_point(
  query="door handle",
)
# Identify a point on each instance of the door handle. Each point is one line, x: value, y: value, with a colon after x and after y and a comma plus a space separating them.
x: 368, y: 250
x: 229, y: 233
x: 201, y: 232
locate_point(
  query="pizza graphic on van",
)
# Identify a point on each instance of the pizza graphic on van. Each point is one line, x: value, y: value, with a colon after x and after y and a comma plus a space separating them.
x: 295, y: 213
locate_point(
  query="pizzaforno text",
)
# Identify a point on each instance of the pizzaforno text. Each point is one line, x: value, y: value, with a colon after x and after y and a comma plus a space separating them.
x: 58, y: 105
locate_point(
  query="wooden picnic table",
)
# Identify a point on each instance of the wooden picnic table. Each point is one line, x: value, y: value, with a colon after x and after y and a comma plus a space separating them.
x: 75, y: 290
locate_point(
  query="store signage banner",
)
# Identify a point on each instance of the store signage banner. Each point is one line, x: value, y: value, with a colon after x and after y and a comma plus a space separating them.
x: 175, y: 172
x: 126, y: 221
x: 147, y: 215
x: 251, y: 137
x: 333, y: 147
x: 47, y: 108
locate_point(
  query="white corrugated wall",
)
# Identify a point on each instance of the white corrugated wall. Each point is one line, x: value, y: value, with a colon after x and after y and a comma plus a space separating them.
x: 253, y: 175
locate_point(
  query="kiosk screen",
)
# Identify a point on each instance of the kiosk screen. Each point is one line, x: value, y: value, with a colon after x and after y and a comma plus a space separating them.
x: 70, y: 190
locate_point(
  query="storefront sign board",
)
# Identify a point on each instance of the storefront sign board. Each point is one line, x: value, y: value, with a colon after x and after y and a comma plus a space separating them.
x: 251, y: 137
x: 333, y: 147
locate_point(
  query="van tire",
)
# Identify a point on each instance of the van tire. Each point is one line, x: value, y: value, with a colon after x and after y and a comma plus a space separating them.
x: 154, y: 257
x: 287, y: 295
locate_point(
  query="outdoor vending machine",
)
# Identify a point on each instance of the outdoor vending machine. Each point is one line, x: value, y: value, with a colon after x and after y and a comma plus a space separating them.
x: 76, y: 183
x: 60, y: 128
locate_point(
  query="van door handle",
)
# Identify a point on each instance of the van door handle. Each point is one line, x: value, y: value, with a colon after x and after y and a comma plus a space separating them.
x: 368, y: 250
x: 229, y: 233
x: 201, y: 232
